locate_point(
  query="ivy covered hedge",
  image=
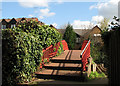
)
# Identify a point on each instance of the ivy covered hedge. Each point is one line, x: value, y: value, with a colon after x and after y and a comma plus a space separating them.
x: 22, y: 50
x: 60, y: 49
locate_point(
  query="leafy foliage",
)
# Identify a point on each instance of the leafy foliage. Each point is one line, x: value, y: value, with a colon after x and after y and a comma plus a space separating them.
x: 104, y: 24
x: 22, y: 50
x: 70, y: 36
x: 94, y: 75
x: 97, y: 52
x: 114, y: 27
x: 60, y: 49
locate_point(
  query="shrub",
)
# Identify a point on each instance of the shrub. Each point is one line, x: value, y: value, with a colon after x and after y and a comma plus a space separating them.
x: 97, y: 52
x: 94, y: 75
x: 22, y: 50
x: 70, y: 36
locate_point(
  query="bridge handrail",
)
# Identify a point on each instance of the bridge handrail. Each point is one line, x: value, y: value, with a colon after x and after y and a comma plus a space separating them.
x: 85, y: 55
x: 49, y: 52
x: 85, y: 48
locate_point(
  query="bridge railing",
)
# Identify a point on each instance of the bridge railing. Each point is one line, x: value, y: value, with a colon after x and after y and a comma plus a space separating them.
x: 85, y: 54
x: 51, y: 51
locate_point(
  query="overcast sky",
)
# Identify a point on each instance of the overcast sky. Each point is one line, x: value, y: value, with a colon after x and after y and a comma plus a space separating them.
x: 60, y: 12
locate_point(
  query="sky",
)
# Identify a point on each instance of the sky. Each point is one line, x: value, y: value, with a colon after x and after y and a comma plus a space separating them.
x: 80, y: 14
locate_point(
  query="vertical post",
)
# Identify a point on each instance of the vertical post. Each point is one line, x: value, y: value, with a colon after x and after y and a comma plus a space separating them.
x: 89, y: 66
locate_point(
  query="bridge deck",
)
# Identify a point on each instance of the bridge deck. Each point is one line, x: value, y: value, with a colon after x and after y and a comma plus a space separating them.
x: 66, y: 64
x: 69, y: 55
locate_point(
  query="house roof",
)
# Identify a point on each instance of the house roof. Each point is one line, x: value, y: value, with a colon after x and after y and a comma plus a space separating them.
x: 62, y: 31
x: 80, y: 32
x: 33, y: 18
x: 97, y: 27
x: 92, y: 30
x: 22, y: 20
x: 7, y: 20
x: 18, y: 19
x: 27, y: 19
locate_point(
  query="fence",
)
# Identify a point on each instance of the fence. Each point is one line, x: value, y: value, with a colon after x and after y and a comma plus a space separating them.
x: 114, y: 58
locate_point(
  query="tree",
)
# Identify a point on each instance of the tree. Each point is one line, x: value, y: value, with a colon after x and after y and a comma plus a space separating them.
x: 70, y: 36
x: 104, y: 24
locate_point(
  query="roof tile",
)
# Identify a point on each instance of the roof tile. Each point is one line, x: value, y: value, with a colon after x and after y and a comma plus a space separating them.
x: 80, y: 32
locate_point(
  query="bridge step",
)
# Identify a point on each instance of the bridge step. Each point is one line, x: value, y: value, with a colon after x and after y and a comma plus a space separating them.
x: 61, y: 77
x: 60, y: 74
x: 67, y: 66
x: 64, y: 66
x: 66, y: 61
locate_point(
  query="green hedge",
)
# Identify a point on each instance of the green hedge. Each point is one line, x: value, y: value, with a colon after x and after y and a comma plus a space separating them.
x: 22, y: 50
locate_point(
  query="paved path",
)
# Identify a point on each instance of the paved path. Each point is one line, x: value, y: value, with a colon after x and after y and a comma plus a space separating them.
x: 97, y: 82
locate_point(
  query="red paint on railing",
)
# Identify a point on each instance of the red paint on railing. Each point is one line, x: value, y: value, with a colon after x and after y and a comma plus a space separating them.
x: 65, y: 46
x: 49, y: 51
x: 84, y: 44
x: 85, y: 55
